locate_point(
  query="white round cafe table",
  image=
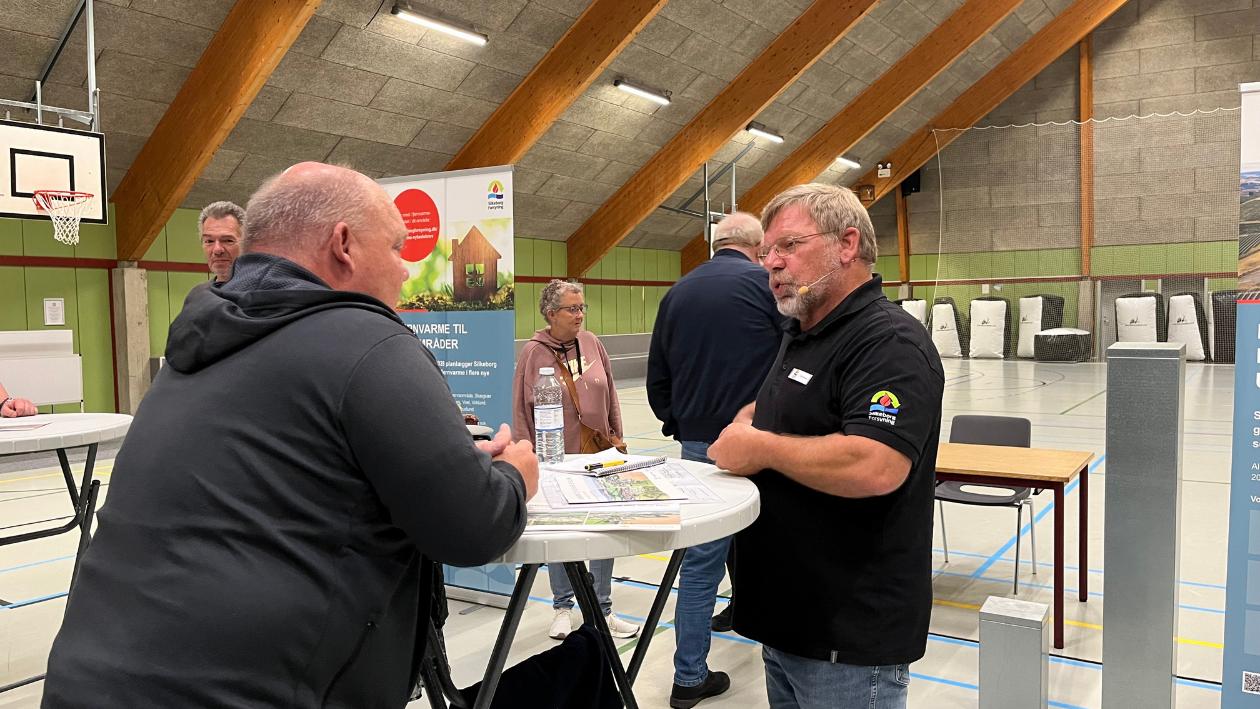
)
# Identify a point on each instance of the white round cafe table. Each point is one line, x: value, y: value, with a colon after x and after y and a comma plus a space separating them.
x: 60, y: 431
x: 700, y: 523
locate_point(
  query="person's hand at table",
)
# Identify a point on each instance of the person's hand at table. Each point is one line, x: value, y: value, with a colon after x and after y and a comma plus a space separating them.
x: 499, y: 443
x: 520, y: 455
x: 739, y: 449
x: 14, y: 407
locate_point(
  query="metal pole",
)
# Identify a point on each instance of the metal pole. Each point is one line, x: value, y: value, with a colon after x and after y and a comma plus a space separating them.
x: 733, y: 186
x: 718, y: 175
x: 91, y: 66
x: 61, y: 44
x: 39, y: 103
x: 708, y: 221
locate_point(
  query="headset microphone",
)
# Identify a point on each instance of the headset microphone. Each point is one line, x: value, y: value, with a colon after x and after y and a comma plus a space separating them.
x: 805, y: 289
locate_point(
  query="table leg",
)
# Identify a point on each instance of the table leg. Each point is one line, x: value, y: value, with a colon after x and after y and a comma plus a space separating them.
x: 1058, y: 565
x: 1083, y: 531
x: 584, y: 589
x: 65, y: 473
x: 654, y: 616
x: 503, y: 643
x: 85, y: 504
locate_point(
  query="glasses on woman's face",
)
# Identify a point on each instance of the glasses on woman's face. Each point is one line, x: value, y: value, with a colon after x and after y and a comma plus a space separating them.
x: 573, y: 309
x: 785, y: 246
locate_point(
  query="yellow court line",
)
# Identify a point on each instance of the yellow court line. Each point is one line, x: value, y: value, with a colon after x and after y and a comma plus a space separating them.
x: 654, y: 557
x: 101, y: 471
x: 1080, y: 624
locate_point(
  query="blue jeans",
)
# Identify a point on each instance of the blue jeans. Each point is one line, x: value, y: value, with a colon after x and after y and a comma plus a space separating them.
x: 702, y: 569
x: 794, y: 682
x: 562, y: 590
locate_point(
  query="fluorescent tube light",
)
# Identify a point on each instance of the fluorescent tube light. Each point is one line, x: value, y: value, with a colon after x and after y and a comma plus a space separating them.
x: 851, y: 164
x: 441, y: 25
x: 657, y: 95
x: 761, y: 131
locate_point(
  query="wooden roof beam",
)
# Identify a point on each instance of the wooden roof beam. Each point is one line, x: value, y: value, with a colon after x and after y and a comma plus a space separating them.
x: 559, y: 78
x: 1060, y: 35
x: 924, y: 62
x: 804, y: 42
x: 233, y: 68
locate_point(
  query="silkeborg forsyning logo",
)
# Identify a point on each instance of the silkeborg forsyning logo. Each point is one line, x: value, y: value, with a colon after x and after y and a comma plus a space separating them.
x: 884, y: 407
x: 494, y: 195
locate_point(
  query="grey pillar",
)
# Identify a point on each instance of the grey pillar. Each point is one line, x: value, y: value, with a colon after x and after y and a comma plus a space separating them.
x: 1014, y: 654
x: 131, y: 335
x: 1145, y: 413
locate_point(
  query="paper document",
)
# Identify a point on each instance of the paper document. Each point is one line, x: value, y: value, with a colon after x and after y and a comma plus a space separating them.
x: 608, y: 518
x: 21, y: 426
x: 634, y: 486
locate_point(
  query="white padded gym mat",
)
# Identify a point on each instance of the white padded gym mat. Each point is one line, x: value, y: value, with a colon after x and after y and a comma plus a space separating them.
x: 945, y: 330
x: 1183, y: 326
x: 917, y: 308
x: 988, y: 329
x: 1136, y: 319
x: 1029, y: 324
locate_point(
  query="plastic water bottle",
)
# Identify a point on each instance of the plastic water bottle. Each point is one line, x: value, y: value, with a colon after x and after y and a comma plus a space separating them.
x: 548, y: 417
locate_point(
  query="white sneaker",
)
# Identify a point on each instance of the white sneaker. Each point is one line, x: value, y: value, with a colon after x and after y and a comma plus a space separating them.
x: 620, y: 628
x: 562, y: 624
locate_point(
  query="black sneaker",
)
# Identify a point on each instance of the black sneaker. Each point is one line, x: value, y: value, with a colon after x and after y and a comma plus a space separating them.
x: 687, y: 697
x: 721, y: 622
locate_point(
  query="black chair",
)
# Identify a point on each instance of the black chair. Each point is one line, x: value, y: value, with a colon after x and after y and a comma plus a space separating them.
x: 992, y: 431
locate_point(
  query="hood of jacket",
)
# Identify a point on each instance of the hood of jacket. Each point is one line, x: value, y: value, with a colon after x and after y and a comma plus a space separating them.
x: 265, y: 294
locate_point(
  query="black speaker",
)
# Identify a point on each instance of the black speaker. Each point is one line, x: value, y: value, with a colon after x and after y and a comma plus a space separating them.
x: 910, y: 185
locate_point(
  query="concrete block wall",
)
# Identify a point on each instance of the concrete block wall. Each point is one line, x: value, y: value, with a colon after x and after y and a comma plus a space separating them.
x: 1159, y: 182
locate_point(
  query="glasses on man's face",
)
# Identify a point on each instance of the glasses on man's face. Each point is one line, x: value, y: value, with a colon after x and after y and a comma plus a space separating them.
x: 573, y: 309
x: 785, y: 246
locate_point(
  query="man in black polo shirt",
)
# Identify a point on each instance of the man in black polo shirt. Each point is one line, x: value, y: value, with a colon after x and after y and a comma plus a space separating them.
x: 841, y: 443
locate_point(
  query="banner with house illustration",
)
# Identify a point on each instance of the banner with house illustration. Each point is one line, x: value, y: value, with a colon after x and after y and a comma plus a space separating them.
x: 458, y: 298
x: 1240, y: 675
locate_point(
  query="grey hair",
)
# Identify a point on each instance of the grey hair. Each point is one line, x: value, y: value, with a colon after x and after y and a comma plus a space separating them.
x: 285, y: 211
x: 219, y: 210
x: 549, y: 299
x: 737, y: 229
x: 833, y: 209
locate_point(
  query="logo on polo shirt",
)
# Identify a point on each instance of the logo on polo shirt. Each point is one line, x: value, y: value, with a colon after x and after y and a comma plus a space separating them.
x: 884, y: 407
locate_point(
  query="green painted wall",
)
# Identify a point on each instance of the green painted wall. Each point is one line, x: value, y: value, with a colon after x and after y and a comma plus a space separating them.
x: 613, y: 310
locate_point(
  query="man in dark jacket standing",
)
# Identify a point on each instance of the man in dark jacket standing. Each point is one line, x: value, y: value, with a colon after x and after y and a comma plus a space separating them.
x: 715, y: 337
x: 300, y: 450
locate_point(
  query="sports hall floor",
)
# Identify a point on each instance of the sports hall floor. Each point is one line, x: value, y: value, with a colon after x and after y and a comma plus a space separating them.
x: 1066, y: 404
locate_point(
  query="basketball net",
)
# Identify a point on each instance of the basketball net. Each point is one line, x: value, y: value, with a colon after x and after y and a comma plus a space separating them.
x: 65, y: 209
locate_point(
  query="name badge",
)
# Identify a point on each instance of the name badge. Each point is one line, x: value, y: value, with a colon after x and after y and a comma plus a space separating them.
x: 801, y: 376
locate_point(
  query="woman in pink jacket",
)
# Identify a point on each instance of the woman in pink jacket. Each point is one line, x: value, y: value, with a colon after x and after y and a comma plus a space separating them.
x: 592, y: 421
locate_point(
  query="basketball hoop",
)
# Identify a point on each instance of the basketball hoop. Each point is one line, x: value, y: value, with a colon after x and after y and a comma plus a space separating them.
x: 65, y: 209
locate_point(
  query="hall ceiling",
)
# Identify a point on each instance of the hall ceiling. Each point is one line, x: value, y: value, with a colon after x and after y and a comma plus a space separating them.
x: 363, y: 88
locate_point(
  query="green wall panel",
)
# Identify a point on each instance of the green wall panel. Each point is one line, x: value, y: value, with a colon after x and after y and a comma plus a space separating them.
x: 178, y: 285
x: 10, y: 237
x: 12, y: 298
x: 183, y: 237
x: 159, y: 312
x: 95, y: 343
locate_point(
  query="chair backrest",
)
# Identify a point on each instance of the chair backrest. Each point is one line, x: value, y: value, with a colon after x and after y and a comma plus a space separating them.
x: 991, y: 430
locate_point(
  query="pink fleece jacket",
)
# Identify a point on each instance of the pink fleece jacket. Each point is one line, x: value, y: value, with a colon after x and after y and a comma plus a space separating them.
x: 592, y: 377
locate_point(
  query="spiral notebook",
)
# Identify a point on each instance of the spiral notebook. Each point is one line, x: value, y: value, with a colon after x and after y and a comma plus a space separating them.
x: 620, y: 463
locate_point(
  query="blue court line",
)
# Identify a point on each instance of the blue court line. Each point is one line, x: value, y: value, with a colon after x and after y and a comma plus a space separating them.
x: 1096, y: 666
x: 1044, y: 511
x: 36, y: 563
x: 1066, y: 589
x: 33, y: 601
x: 1067, y: 567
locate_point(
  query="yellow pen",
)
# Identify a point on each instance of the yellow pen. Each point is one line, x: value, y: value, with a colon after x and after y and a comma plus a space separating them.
x: 605, y: 464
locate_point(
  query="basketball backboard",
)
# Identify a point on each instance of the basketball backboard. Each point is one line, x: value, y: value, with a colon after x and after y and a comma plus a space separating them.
x: 38, y: 157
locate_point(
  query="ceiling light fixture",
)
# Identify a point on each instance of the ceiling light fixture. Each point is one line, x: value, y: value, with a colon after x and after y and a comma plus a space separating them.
x: 760, y: 130
x: 660, y: 96
x: 851, y: 164
x: 441, y: 24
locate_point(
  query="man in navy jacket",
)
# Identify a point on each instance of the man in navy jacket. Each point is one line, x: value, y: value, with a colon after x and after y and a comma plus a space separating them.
x: 715, y: 337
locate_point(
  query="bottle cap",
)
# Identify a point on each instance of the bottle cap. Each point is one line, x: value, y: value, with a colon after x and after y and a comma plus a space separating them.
x: 546, y: 371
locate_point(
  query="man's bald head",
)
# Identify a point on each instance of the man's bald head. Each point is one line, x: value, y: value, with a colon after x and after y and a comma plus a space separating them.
x: 336, y: 222
x: 304, y: 202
